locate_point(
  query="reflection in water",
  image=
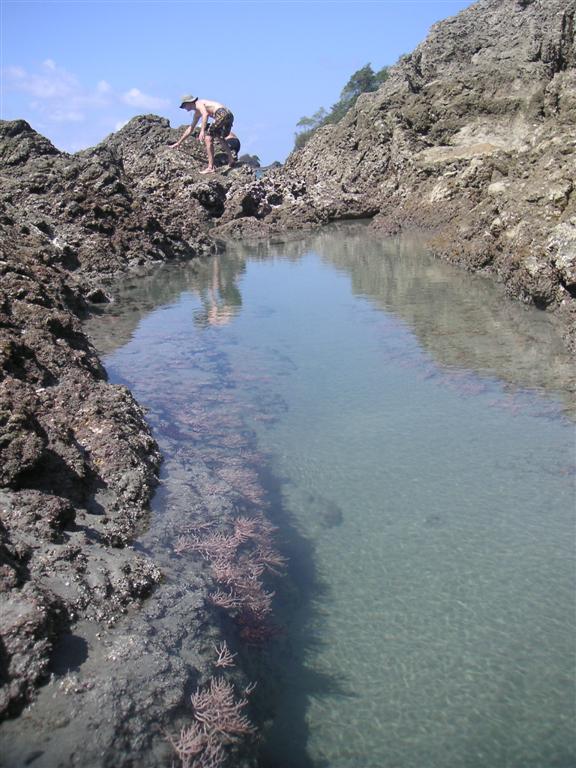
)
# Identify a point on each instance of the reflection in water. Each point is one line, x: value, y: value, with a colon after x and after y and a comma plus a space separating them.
x: 221, y: 299
x: 464, y: 321
x: 409, y: 427
x: 213, y: 281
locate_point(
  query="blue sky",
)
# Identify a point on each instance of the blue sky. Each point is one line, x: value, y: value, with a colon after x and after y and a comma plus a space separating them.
x: 78, y: 70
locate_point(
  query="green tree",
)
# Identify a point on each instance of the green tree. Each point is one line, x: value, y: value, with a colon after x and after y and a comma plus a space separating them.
x: 311, y: 123
x: 362, y: 81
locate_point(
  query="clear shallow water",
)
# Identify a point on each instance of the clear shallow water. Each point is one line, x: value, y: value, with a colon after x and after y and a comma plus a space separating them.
x: 411, y: 431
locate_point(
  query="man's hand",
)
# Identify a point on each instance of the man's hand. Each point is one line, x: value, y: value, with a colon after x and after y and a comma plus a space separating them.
x: 185, y: 135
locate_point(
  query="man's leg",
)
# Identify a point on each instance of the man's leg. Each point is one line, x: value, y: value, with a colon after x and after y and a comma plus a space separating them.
x: 210, y: 152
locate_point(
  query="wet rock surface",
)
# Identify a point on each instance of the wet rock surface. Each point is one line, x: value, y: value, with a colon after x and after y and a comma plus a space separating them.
x: 78, y: 465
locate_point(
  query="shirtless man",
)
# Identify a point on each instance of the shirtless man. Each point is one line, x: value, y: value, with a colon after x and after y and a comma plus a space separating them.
x: 219, y: 128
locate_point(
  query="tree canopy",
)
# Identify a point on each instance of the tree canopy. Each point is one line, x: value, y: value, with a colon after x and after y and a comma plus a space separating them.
x: 362, y: 81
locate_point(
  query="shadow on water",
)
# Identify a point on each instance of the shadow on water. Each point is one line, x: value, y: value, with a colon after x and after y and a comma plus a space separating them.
x: 288, y: 683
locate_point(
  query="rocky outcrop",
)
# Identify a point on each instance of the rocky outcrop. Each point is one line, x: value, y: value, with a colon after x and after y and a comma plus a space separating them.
x: 472, y: 138
x: 77, y: 461
x: 88, y: 208
x: 77, y: 467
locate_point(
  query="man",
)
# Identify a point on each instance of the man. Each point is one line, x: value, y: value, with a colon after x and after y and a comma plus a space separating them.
x: 219, y: 128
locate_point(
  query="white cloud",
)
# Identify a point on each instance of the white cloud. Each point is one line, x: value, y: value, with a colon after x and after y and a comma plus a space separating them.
x: 58, y: 96
x: 15, y: 73
x: 135, y: 98
x: 49, y: 82
x: 67, y: 116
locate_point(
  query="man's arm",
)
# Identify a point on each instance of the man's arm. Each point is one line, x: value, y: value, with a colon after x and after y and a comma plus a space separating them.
x: 182, y: 138
x: 201, y: 108
x: 199, y: 112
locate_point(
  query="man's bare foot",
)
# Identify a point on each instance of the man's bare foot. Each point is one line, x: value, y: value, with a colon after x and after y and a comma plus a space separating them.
x: 208, y: 170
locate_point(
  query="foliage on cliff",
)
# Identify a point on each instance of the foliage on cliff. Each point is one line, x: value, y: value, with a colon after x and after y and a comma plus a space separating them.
x: 363, y: 80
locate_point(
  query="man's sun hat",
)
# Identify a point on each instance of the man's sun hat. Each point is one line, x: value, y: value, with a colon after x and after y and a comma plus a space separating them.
x: 187, y: 100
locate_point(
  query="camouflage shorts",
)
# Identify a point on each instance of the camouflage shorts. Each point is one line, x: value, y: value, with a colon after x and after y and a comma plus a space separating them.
x: 222, y: 124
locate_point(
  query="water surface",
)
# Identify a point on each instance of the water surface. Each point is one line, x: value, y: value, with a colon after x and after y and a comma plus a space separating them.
x: 410, y: 431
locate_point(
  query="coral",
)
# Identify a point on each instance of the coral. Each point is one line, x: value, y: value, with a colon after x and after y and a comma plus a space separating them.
x: 238, y: 561
x: 225, y: 658
x: 219, y: 721
x: 217, y: 709
x: 191, y: 744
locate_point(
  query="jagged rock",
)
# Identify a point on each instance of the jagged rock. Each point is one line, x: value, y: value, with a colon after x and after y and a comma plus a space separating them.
x: 252, y: 160
x: 88, y: 207
x: 27, y: 630
x: 65, y: 435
